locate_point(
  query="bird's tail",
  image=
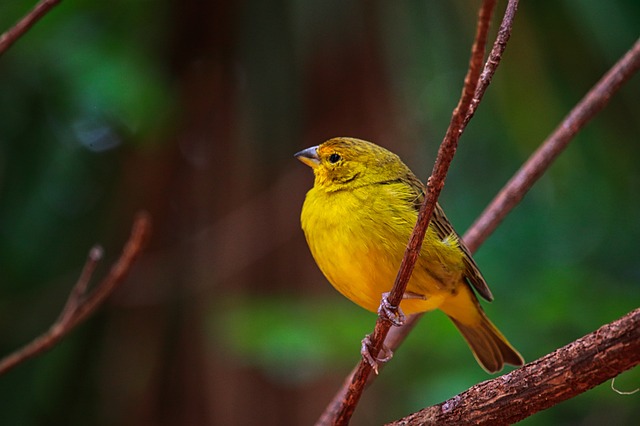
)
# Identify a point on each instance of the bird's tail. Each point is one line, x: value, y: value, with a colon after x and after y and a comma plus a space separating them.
x: 490, y: 348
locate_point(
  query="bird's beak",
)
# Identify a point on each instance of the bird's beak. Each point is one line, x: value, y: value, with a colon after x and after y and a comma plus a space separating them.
x: 309, y: 156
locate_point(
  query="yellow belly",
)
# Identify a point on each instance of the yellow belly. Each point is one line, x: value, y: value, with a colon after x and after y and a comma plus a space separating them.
x: 360, y: 256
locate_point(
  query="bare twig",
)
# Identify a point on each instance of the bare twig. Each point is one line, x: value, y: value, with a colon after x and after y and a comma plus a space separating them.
x: 19, y: 29
x: 342, y: 413
x: 490, y: 67
x: 80, y: 305
x: 80, y: 289
x: 593, y: 102
x: 561, y: 375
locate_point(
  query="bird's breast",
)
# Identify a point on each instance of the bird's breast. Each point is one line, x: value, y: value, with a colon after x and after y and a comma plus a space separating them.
x: 357, y: 241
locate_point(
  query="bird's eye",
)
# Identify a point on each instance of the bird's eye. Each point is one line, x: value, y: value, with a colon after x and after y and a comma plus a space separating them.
x: 334, y: 158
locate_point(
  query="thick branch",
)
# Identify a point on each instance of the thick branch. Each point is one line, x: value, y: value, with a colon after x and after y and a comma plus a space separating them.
x: 18, y: 30
x: 561, y: 375
x: 80, y: 305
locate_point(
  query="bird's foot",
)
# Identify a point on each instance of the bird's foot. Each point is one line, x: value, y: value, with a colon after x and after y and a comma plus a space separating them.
x: 392, y: 313
x: 389, y: 312
x: 373, y: 360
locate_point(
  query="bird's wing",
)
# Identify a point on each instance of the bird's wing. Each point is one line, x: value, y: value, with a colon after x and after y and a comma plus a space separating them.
x: 443, y: 229
x: 471, y: 271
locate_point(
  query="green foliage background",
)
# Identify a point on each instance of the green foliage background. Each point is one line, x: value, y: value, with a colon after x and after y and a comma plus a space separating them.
x: 192, y: 111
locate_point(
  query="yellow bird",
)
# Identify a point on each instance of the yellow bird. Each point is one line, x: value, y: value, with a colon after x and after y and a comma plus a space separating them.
x: 357, y: 220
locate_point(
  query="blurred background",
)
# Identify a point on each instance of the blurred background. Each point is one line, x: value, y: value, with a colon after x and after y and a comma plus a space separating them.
x: 192, y: 110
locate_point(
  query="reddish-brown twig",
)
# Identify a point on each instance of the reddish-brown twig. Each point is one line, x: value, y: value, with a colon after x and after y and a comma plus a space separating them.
x: 563, y: 374
x: 341, y: 413
x: 81, y: 304
x: 490, y: 67
x: 22, y: 26
x: 80, y: 289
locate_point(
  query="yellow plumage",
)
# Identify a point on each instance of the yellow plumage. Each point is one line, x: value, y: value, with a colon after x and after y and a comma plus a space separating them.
x: 357, y: 220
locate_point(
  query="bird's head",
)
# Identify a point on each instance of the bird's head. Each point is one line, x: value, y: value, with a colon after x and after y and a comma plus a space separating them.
x: 343, y: 163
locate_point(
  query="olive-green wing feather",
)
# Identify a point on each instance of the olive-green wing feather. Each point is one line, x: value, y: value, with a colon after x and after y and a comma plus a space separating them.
x: 471, y: 271
x: 443, y: 229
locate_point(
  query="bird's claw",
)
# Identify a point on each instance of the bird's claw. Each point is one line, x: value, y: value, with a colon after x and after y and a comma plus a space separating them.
x: 391, y: 313
x: 365, y: 351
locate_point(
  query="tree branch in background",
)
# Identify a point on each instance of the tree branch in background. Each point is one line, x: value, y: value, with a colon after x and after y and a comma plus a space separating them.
x: 341, y: 412
x: 81, y: 305
x: 561, y: 375
x: 592, y: 103
x: 18, y: 30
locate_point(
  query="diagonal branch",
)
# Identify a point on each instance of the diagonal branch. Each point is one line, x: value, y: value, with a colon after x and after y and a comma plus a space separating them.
x: 490, y: 67
x: 561, y: 375
x: 81, y: 305
x: 23, y: 25
x: 341, y: 412
x: 592, y: 103
x: 80, y: 289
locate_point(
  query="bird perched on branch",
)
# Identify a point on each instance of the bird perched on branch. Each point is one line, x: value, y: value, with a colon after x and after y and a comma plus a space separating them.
x: 357, y: 220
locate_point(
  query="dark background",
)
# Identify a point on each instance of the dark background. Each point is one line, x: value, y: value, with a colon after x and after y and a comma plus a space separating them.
x: 192, y: 110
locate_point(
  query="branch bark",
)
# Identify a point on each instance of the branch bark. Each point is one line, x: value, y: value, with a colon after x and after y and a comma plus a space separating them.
x: 561, y: 375
x: 81, y: 305
x: 23, y: 25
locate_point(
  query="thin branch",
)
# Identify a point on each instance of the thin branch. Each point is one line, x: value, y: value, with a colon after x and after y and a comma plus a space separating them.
x: 19, y: 29
x: 561, y: 375
x: 504, y: 33
x: 80, y: 289
x: 342, y: 413
x: 79, y: 305
x: 593, y: 102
